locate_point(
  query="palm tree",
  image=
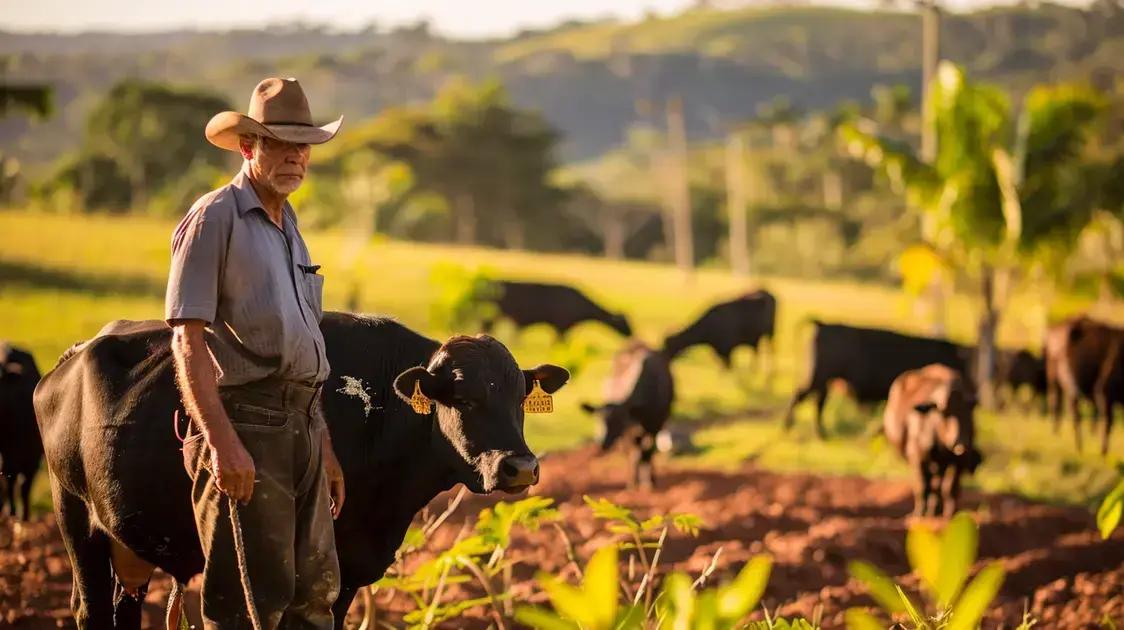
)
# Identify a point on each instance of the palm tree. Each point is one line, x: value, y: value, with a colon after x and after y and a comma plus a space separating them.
x: 1002, y: 187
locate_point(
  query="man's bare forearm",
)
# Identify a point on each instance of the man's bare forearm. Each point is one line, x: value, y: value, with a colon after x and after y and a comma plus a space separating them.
x: 195, y: 375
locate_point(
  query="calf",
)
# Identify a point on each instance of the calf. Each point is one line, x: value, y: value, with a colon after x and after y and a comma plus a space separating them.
x: 744, y: 321
x: 123, y: 499
x: 929, y: 420
x: 559, y: 306
x: 638, y: 397
x: 868, y: 360
x: 1083, y: 361
x: 21, y: 450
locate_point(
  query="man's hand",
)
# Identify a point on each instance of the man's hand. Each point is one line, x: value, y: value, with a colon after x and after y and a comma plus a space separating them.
x: 233, y: 467
x: 195, y: 374
x: 333, y: 472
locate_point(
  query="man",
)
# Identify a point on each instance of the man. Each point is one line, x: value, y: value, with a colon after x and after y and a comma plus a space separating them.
x: 244, y: 300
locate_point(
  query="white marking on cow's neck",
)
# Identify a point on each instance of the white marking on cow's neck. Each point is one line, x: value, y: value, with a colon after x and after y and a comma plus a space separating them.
x: 354, y: 387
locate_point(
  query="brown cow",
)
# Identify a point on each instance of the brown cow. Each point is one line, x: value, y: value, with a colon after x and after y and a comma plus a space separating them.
x: 929, y: 420
x: 1083, y: 360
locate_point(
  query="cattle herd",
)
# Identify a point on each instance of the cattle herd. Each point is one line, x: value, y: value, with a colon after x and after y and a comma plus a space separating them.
x: 105, y: 417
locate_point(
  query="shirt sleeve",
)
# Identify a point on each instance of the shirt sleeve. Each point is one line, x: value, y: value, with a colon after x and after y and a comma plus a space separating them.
x: 198, y: 259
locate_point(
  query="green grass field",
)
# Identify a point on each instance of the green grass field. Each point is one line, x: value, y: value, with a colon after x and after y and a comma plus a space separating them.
x: 63, y: 277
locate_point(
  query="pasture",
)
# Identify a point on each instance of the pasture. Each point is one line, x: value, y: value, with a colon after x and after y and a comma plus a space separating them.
x: 812, y: 505
x: 63, y: 277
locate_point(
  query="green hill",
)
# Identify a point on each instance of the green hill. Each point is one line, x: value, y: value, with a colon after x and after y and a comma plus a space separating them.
x: 586, y: 78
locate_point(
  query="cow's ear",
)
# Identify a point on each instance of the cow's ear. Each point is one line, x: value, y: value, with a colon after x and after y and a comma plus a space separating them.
x: 418, y: 376
x: 551, y: 377
x: 925, y: 407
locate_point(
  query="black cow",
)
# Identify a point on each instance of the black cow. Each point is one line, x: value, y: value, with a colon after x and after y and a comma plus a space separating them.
x: 638, y: 397
x: 929, y: 420
x: 868, y: 360
x: 118, y: 478
x: 744, y: 321
x: 20, y: 447
x: 1083, y: 360
x: 561, y: 307
x: 1016, y: 370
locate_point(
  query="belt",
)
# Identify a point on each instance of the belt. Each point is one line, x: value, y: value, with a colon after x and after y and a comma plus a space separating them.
x: 277, y: 394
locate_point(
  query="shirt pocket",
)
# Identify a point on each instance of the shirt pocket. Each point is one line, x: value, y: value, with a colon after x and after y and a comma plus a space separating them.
x: 314, y: 292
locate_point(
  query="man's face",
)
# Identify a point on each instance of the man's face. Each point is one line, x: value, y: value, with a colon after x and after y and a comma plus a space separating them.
x: 279, y: 165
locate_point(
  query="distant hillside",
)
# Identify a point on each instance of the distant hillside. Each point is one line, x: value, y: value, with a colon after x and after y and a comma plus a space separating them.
x: 586, y: 78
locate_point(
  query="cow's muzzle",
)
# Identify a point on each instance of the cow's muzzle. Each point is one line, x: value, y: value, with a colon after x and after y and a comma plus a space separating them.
x: 517, y: 473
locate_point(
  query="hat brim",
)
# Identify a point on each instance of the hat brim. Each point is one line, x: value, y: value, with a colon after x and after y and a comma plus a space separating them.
x: 224, y: 129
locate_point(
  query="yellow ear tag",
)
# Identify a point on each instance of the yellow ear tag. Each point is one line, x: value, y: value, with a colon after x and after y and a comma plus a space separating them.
x: 538, y: 401
x: 422, y: 405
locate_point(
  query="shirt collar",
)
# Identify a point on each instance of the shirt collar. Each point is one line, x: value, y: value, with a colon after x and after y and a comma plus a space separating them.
x: 246, y: 198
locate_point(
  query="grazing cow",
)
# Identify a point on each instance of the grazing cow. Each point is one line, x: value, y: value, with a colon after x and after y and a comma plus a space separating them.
x: 1083, y: 361
x: 1018, y: 369
x: 560, y: 306
x: 638, y: 397
x: 20, y: 447
x: 928, y: 419
x: 868, y: 360
x: 122, y: 496
x: 724, y: 327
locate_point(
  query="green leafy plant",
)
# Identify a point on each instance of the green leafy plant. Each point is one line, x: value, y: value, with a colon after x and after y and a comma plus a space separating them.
x: 682, y: 608
x: 594, y: 605
x: 1112, y: 508
x: 943, y: 562
x: 637, y: 536
x: 478, y: 557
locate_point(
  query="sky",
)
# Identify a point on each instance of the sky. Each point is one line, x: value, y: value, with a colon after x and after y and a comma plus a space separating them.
x: 462, y: 18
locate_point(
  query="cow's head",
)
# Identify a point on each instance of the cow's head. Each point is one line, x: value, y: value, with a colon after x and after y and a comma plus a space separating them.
x: 615, y: 422
x: 949, y: 413
x: 479, y: 390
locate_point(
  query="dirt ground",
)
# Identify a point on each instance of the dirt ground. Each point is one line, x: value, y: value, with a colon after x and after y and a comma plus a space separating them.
x: 1057, y: 565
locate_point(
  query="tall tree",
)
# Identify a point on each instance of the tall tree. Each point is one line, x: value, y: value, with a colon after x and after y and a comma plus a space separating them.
x: 153, y: 132
x: 1001, y: 186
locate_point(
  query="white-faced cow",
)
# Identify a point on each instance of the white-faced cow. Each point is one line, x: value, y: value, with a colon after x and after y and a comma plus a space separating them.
x: 123, y: 498
x: 638, y: 397
x: 929, y: 420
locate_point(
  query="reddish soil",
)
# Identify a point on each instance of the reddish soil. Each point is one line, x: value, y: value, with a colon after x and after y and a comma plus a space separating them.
x: 1057, y: 565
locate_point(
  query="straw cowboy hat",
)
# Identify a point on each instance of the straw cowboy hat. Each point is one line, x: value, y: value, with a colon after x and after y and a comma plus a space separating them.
x: 279, y: 110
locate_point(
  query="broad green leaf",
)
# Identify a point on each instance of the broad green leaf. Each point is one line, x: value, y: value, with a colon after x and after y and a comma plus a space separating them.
x: 600, y: 587
x: 959, y: 544
x: 677, y: 602
x: 706, y: 611
x: 629, y: 618
x: 736, y: 599
x: 972, y: 605
x: 881, y: 587
x: 1112, y: 508
x: 923, y: 548
x: 859, y: 619
x: 569, y: 601
x: 910, y: 609
x: 542, y: 619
